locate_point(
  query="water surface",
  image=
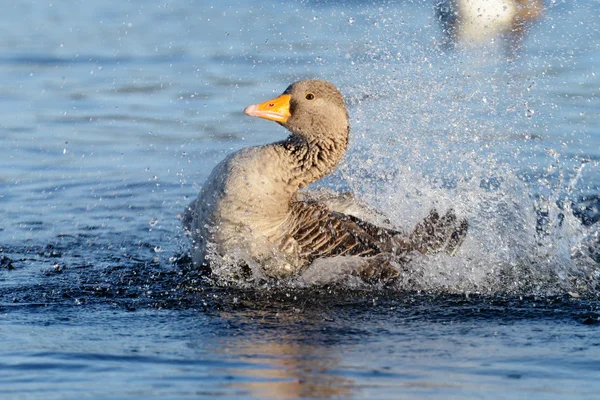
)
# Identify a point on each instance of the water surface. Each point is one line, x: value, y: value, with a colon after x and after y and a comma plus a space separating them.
x: 115, y: 113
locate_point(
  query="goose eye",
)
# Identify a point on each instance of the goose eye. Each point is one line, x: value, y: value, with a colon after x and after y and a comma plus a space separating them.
x: 310, y: 96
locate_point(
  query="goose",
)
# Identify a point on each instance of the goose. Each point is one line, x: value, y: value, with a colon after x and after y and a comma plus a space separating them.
x: 252, y: 203
x: 476, y: 21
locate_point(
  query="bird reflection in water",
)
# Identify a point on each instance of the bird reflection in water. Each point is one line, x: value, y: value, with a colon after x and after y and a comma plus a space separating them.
x: 476, y: 23
x: 295, y: 355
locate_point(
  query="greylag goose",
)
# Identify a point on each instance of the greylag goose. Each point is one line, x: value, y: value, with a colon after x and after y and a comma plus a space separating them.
x: 250, y: 208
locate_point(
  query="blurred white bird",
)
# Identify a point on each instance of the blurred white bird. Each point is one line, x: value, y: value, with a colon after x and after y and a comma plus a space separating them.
x: 476, y: 22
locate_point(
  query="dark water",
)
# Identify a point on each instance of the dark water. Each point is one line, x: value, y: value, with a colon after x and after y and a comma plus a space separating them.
x: 113, y: 114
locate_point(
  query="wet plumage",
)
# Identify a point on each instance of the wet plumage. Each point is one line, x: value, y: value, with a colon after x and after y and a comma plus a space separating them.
x: 251, y: 204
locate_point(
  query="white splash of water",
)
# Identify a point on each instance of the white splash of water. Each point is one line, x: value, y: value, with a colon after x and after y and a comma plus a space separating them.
x: 456, y: 137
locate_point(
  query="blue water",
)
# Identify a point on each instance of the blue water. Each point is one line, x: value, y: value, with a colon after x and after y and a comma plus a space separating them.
x: 114, y: 114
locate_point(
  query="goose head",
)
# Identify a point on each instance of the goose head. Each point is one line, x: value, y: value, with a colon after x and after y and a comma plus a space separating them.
x: 310, y: 109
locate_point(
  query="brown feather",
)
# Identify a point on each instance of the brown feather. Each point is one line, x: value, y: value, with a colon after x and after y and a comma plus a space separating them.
x: 321, y: 232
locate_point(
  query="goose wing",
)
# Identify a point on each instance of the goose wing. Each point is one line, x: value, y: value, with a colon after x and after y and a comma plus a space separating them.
x: 320, y: 232
x: 345, y: 203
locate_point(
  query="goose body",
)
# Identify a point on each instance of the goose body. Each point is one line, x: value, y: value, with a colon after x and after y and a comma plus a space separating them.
x: 251, y: 204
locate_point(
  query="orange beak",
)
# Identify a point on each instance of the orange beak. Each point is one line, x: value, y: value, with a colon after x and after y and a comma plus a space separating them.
x: 277, y: 109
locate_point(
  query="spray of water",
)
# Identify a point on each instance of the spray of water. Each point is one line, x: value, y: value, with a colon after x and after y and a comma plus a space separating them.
x: 470, y: 130
x: 459, y: 131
